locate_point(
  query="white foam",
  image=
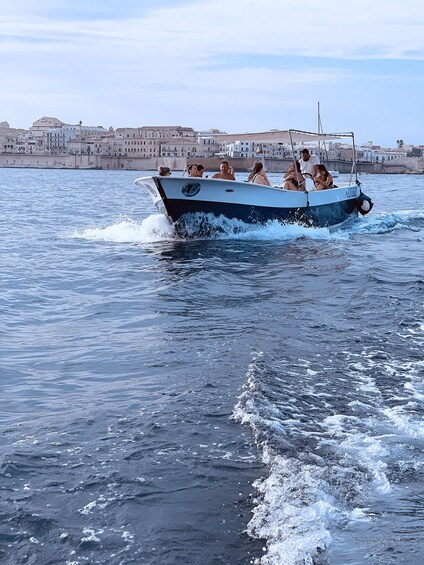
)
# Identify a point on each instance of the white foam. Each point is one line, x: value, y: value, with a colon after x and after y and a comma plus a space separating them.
x: 416, y: 394
x: 210, y: 226
x: 369, y: 453
x: 294, y: 513
x: 359, y: 515
x: 404, y: 423
x: 157, y: 227
x: 386, y: 222
x: 91, y: 535
x: 152, y: 229
x: 88, y: 508
x: 275, y: 230
x: 303, y: 500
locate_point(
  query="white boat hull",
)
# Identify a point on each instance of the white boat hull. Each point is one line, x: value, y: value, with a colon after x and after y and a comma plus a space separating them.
x: 178, y: 197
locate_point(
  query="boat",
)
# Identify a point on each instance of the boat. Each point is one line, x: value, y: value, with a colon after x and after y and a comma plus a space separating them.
x: 180, y: 197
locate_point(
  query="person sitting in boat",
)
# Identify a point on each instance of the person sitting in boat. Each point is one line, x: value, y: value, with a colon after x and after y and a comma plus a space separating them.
x: 308, y: 163
x: 195, y: 170
x: 258, y: 175
x: 293, y: 179
x: 164, y: 171
x: 324, y: 179
x: 225, y: 173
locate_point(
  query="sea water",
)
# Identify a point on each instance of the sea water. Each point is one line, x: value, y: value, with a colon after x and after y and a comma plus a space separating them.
x: 254, y: 396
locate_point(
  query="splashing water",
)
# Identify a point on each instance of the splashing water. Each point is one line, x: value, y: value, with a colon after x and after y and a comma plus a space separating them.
x: 153, y: 229
x: 157, y: 227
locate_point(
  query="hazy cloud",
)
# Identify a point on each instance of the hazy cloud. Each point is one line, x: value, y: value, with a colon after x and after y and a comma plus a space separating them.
x: 207, y: 64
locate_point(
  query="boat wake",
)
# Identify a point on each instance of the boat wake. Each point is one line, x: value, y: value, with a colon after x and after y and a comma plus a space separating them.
x: 332, y: 445
x: 386, y: 222
x: 157, y: 228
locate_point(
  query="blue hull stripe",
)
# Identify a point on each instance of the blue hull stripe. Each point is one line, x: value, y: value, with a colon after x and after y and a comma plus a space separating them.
x: 320, y: 216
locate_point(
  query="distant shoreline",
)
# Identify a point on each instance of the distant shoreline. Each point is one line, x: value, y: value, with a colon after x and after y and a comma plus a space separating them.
x: 99, y: 162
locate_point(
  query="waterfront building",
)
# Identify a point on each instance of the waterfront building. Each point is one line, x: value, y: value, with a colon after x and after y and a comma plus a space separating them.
x: 50, y: 137
x: 141, y: 147
x: 252, y: 150
x: 208, y: 146
x: 56, y: 138
x: 181, y: 148
x: 157, y: 141
x: 40, y: 126
x: 11, y: 139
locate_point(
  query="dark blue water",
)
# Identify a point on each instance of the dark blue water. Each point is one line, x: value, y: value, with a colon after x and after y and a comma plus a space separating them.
x: 256, y: 397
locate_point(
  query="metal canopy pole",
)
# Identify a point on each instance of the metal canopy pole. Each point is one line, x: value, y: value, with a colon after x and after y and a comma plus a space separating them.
x: 354, y: 171
x: 295, y: 167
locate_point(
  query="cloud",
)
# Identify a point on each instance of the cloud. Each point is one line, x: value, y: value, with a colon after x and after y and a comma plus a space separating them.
x: 132, y: 62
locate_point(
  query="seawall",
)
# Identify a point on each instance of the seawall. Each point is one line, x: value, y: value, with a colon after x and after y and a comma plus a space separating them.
x: 174, y: 163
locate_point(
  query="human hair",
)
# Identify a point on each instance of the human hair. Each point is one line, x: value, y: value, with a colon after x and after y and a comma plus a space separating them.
x: 195, y: 170
x: 164, y: 171
x: 257, y: 168
x: 305, y: 151
x: 225, y: 163
x: 323, y: 168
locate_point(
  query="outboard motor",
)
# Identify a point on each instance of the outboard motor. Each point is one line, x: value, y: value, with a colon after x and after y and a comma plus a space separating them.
x: 364, y: 204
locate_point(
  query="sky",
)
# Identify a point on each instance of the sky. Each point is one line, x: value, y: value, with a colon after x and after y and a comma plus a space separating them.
x: 236, y: 65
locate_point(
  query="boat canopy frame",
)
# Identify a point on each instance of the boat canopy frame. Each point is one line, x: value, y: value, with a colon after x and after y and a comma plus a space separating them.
x: 292, y: 136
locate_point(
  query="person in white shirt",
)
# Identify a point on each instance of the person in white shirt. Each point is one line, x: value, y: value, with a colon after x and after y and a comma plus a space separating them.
x: 309, y: 163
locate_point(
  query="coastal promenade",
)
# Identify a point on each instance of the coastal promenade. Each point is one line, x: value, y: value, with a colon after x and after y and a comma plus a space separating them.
x: 101, y: 162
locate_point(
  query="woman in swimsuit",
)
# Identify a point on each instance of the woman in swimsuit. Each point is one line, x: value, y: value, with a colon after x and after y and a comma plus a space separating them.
x: 292, y: 180
x: 324, y: 179
x: 258, y: 175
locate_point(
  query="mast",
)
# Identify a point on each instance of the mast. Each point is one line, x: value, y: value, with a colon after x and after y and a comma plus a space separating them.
x: 320, y: 130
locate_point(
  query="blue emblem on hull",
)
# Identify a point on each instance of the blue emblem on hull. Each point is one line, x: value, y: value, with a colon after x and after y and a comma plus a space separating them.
x: 191, y: 189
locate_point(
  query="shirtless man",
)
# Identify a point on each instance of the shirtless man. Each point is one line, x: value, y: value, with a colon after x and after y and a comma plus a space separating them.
x: 226, y: 172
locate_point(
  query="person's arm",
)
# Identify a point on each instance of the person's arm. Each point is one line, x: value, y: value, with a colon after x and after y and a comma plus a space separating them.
x: 319, y: 183
x: 265, y: 179
x: 260, y: 179
x: 288, y: 185
x: 316, y: 163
